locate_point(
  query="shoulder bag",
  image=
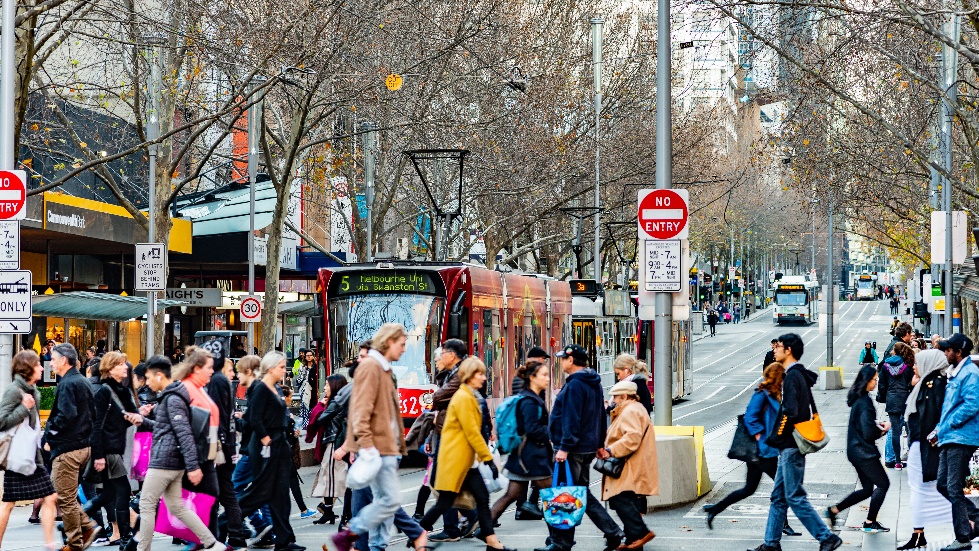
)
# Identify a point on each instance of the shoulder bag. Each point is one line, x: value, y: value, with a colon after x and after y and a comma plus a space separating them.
x: 809, y: 435
x: 744, y: 447
x: 612, y: 466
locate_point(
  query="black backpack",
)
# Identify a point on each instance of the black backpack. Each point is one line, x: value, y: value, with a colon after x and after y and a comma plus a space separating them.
x: 200, y: 422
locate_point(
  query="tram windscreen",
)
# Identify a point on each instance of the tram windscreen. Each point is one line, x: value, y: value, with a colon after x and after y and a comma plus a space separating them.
x: 791, y: 298
x: 355, y: 318
x: 865, y: 284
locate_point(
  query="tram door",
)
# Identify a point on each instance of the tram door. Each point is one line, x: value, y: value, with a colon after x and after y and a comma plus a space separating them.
x: 584, y: 335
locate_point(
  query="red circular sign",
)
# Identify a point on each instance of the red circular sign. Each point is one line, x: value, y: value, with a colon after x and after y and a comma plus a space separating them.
x: 251, y: 309
x: 663, y: 214
x: 13, y: 194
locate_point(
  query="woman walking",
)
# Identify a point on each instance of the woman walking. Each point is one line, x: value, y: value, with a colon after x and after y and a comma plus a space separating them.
x: 328, y: 429
x: 759, y: 419
x: 269, y: 452
x: 895, y: 386
x: 531, y: 461
x: 114, y: 402
x: 20, y: 401
x: 861, y: 451
x: 462, y: 442
x: 628, y: 368
x: 922, y: 415
x: 631, y: 439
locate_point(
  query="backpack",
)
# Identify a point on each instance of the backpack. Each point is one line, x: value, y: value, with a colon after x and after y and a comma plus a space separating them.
x: 200, y: 423
x: 507, y: 438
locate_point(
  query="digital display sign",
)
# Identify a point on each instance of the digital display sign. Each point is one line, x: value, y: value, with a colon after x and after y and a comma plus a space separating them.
x: 584, y: 287
x: 791, y: 288
x: 384, y: 281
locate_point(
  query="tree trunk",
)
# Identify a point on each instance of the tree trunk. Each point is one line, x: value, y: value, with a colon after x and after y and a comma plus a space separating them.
x: 24, y: 58
x: 270, y: 307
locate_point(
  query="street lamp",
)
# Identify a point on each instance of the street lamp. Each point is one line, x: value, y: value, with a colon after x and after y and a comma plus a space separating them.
x: 578, y: 213
x: 153, y: 51
x: 428, y: 162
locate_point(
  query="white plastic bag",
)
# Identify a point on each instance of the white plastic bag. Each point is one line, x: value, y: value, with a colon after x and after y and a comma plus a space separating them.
x: 493, y: 484
x: 23, y: 449
x: 364, y: 468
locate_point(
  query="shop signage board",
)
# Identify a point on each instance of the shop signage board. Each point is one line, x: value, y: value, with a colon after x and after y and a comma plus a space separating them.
x: 151, y: 267
x: 9, y: 245
x: 13, y: 194
x: 196, y: 296
x: 251, y: 309
x: 15, y: 301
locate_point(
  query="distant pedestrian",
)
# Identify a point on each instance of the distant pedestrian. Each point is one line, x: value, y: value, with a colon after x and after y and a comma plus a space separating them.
x: 769, y: 356
x: 958, y: 437
x: 737, y: 313
x: 328, y: 429
x: 712, y: 321
x: 928, y: 507
x: 895, y: 375
x: 861, y: 450
x: 788, y: 491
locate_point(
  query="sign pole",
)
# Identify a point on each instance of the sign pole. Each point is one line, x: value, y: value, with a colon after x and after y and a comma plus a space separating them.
x: 663, y: 323
x: 8, y: 68
x: 255, y: 116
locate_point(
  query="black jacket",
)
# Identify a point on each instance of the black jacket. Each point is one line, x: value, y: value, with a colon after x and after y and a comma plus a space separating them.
x: 893, y: 390
x: 796, y: 400
x: 174, y: 447
x: 642, y: 390
x: 266, y: 412
x: 146, y: 397
x: 532, y: 457
x: 769, y: 359
x: 889, y: 351
x: 577, y: 422
x: 69, y: 425
x: 863, y: 432
x: 333, y: 419
x: 109, y: 426
x: 923, y: 421
x: 219, y: 390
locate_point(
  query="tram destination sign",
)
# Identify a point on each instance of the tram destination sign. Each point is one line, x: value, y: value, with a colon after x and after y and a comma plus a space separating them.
x: 384, y: 281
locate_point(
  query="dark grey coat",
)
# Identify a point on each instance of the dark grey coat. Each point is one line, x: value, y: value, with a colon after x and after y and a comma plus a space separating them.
x: 13, y: 412
x: 173, y: 439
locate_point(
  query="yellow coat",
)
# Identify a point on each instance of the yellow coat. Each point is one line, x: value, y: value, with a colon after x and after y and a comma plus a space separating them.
x: 462, y: 442
x: 625, y: 438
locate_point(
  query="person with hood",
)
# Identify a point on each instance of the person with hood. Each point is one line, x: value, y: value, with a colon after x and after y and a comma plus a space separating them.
x: 861, y: 450
x: 924, y: 409
x: 576, y: 426
x: 759, y: 419
x: 796, y: 407
x: 328, y: 429
x: 895, y: 376
x: 957, y: 436
x: 868, y: 355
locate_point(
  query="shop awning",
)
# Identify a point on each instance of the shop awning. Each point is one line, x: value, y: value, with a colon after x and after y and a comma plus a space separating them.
x: 298, y: 308
x: 94, y: 306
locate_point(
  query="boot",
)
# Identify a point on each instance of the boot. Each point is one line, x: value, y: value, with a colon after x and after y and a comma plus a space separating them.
x: 122, y: 521
x: 328, y: 516
x: 917, y: 540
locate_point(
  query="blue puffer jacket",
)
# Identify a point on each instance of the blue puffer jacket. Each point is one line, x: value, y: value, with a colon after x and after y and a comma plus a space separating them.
x: 960, y: 412
x: 760, y: 418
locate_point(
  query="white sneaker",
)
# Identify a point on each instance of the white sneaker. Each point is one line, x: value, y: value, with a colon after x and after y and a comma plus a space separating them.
x: 218, y: 546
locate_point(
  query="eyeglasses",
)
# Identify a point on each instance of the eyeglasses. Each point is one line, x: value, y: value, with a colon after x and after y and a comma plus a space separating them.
x: 779, y: 345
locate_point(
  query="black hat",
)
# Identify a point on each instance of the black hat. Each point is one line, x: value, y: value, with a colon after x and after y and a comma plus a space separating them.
x: 957, y: 341
x: 538, y: 352
x: 574, y: 351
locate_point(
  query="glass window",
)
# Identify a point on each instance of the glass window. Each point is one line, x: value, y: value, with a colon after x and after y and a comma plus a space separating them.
x: 354, y: 319
x: 793, y: 298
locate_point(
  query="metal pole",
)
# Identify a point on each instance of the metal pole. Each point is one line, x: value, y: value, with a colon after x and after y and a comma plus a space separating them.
x: 255, y: 117
x: 597, y: 24
x: 8, y: 72
x: 829, y: 286
x: 663, y: 324
x: 370, y: 160
x: 950, y: 60
x: 154, y: 85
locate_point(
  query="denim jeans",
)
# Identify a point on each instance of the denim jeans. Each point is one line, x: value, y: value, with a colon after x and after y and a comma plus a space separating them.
x: 953, y: 468
x: 788, y: 492
x: 379, y: 538
x: 386, y: 488
x: 893, y: 439
x: 240, y: 479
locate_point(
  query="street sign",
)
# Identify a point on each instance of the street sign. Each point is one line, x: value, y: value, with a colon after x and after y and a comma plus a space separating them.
x: 661, y: 265
x: 663, y: 213
x: 251, y: 309
x: 151, y: 267
x: 9, y: 245
x: 730, y: 273
x: 15, y: 302
x: 13, y: 194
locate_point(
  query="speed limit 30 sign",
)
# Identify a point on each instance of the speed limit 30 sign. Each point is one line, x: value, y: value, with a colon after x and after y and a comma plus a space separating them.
x: 251, y: 309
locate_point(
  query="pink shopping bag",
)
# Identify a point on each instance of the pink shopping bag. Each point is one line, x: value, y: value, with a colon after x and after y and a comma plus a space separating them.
x: 141, y: 455
x: 196, y: 504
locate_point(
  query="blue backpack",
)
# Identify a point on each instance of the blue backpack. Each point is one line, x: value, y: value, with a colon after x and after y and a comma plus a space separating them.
x: 507, y: 438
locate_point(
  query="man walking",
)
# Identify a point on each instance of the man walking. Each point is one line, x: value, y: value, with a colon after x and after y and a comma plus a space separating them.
x: 788, y: 491
x: 958, y: 437
x: 769, y: 356
x: 712, y: 321
x: 375, y: 428
x: 577, y: 427
x: 67, y: 436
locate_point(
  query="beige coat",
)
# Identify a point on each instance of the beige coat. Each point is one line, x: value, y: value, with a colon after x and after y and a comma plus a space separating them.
x: 374, y: 419
x: 462, y: 442
x: 625, y: 439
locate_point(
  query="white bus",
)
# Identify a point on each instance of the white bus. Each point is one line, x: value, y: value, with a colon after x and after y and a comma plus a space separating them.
x: 796, y: 300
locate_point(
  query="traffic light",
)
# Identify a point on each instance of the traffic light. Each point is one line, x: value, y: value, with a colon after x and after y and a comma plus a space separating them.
x: 707, y: 279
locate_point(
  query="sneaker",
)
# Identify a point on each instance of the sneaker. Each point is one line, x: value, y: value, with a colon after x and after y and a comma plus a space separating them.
x: 308, y: 513
x: 442, y: 537
x: 763, y: 547
x: 468, y: 529
x: 218, y: 546
x: 266, y: 542
x: 261, y: 536
x: 957, y: 546
x: 889, y: 464
x: 830, y: 544
x: 832, y: 516
x: 874, y: 527
x: 101, y: 541
x: 898, y: 466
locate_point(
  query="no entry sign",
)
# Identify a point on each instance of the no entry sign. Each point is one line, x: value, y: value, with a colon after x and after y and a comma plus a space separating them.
x: 663, y: 213
x: 13, y: 194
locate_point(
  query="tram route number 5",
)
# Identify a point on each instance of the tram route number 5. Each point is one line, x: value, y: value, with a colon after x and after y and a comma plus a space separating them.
x: 251, y: 309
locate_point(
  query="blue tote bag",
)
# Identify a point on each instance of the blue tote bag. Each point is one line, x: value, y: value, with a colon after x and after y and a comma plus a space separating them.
x: 564, y: 505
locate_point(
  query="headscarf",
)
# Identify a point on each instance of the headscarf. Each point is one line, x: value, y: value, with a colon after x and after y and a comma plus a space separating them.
x: 928, y: 361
